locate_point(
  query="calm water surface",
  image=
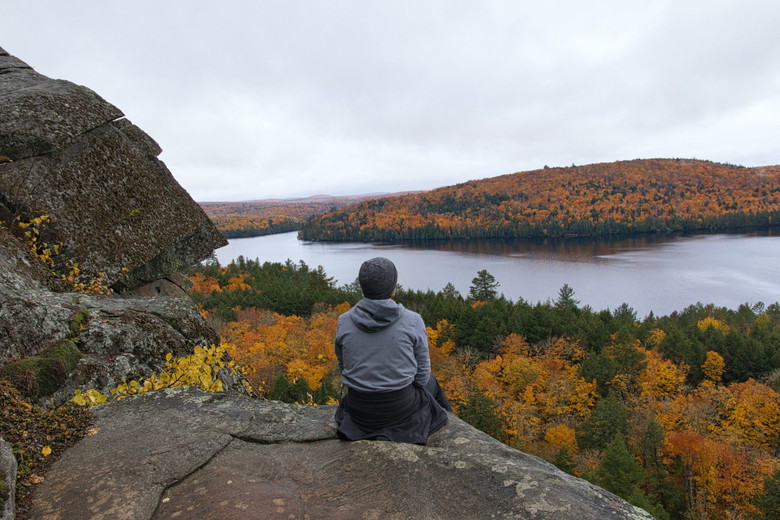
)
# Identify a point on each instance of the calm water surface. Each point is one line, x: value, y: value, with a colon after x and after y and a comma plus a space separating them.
x: 659, y: 274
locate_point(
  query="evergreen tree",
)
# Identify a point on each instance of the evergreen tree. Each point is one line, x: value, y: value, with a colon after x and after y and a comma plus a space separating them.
x: 480, y: 412
x: 769, y: 502
x: 353, y: 289
x: 600, y: 368
x: 564, y: 461
x: 607, y: 420
x: 652, y: 442
x: 282, y: 390
x: 566, y: 300
x: 450, y: 291
x: 619, y: 471
x: 483, y: 286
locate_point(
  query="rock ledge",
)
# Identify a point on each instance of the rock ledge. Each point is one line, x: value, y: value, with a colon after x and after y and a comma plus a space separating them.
x: 188, y: 454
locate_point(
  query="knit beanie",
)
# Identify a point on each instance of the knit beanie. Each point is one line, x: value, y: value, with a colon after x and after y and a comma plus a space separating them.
x: 377, y: 278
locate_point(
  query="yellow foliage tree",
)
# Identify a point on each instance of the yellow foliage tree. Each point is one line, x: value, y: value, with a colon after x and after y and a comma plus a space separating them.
x: 534, y: 391
x: 238, y: 283
x: 449, y: 367
x: 203, y: 284
x: 710, y: 322
x: 656, y: 337
x: 661, y: 379
x: 720, y: 481
x: 713, y: 367
x: 561, y: 437
x: 751, y: 415
x: 269, y: 344
x: 441, y: 339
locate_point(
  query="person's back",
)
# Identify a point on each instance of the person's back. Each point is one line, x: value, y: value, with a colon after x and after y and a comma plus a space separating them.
x: 382, y: 346
x: 382, y: 351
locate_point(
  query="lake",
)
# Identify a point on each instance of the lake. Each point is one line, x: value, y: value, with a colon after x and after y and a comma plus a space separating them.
x: 658, y: 273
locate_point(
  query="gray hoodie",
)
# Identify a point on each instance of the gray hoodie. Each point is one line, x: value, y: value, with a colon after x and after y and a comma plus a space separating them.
x: 381, y: 346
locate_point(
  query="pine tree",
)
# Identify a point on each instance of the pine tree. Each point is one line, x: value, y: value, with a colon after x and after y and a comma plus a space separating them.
x: 564, y: 461
x: 566, y: 300
x: 480, y: 412
x: 450, y: 291
x: 483, y: 286
x: 606, y: 421
x: 769, y: 502
x: 619, y: 471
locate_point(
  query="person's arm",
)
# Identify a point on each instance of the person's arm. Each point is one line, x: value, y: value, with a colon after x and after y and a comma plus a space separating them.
x: 421, y: 354
x: 337, y: 346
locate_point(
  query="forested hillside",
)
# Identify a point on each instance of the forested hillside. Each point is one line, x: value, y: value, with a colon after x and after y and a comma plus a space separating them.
x: 653, y: 195
x: 678, y: 414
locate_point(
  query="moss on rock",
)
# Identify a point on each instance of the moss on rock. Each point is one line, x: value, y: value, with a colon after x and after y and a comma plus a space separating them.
x: 42, y: 375
x: 78, y: 323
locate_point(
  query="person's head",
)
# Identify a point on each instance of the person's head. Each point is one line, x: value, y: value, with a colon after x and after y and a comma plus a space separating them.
x: 377, y: 278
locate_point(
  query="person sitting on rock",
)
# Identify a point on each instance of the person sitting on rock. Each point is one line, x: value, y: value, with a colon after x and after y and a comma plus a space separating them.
x: 382, y: 351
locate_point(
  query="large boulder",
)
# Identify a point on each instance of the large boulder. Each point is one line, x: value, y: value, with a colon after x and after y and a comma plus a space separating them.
x: 189, y: 455
x: 113, y: 205
x: 116, y: 210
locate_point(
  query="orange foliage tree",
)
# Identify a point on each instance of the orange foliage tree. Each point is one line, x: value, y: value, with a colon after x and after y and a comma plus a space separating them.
x: 535, y: 391
x: 267, y: 344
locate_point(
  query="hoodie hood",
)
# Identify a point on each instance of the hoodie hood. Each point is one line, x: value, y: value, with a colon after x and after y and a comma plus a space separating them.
x: 375, y: 315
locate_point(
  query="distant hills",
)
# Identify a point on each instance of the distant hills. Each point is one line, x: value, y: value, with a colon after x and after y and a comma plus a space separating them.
x: 268, y: 216
x: 643, y: 195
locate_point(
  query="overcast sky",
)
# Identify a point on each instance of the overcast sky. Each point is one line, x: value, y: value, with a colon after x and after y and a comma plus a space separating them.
x: 262, y: 99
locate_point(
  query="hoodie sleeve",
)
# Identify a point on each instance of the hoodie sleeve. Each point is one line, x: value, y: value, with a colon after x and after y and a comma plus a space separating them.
x: 338, y: 347
x: 421, y: 354
x: 338, y: 356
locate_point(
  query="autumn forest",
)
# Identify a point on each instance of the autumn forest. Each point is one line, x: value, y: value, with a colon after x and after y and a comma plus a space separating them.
x: 678, y: 414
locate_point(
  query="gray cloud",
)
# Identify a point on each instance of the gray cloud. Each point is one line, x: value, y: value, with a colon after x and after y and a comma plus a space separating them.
x: 273, y: 99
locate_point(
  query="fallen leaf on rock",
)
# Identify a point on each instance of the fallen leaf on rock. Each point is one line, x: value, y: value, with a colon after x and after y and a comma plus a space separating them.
x: 36, y: 479
x: 93, y: 431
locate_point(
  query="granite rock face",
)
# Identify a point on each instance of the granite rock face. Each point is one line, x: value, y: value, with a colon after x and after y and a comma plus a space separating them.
x: 113, y: 206
x: 188, y: 454
x: 66, y: 152
x: 28, y: 324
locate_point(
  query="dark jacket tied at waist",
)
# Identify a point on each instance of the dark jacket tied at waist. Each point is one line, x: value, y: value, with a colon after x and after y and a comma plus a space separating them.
x: 406, y: 415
